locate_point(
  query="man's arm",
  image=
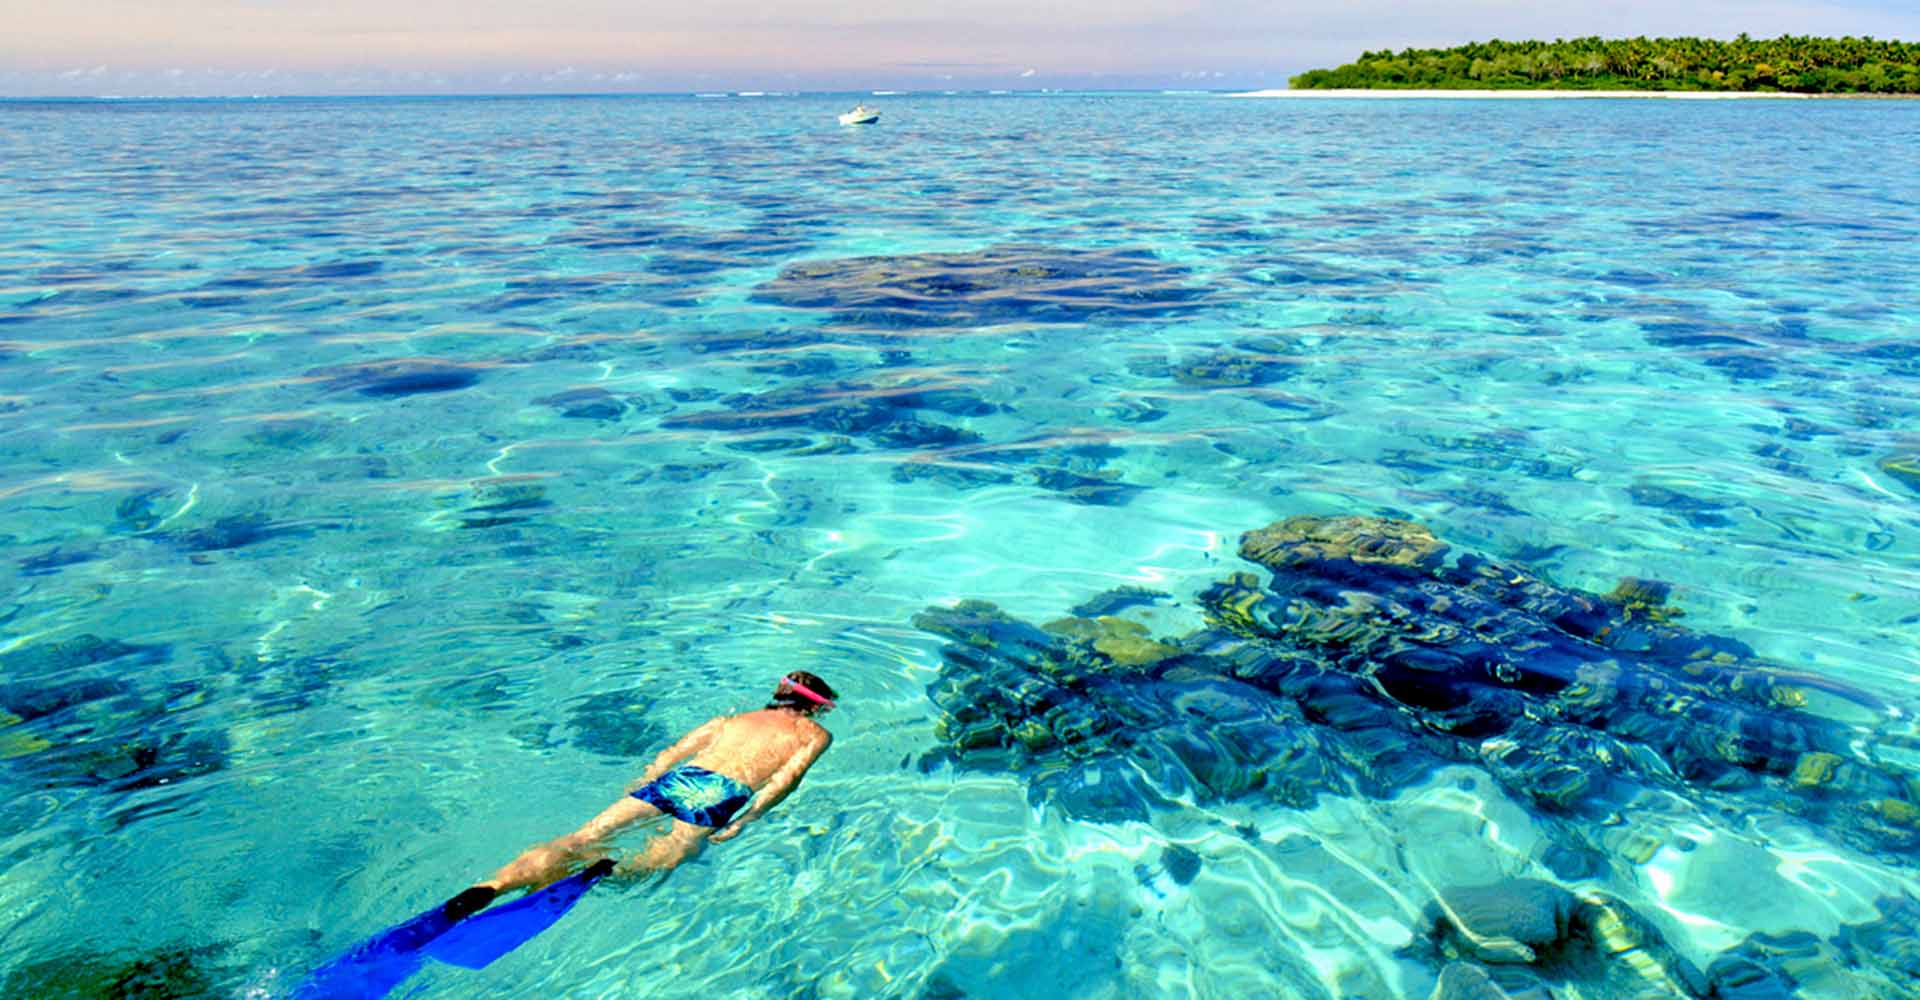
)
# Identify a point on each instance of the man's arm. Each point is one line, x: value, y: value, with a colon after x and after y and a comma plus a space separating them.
x: 778, y: 787
x: 690, y: 744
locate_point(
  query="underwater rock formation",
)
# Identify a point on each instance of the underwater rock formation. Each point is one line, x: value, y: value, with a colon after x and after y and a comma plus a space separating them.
x: 1370, y: 658
x: 1011, y: 284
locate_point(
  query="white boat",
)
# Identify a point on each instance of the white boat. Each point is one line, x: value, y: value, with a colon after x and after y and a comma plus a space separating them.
x: 860, y: 115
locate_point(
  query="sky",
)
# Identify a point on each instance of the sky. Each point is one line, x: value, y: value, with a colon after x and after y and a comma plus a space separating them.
x: 281, y: 47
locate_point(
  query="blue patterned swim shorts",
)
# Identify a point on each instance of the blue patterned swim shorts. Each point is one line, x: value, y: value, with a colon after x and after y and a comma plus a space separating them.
x: 696, y: 795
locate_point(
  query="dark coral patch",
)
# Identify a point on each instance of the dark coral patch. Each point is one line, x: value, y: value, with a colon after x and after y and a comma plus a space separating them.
x: 1904, y: 467
x: 235, y: 531
x: 615, y: 724
x: 996, y: 285
x: 172, y: 972
x: 585, y: 403
x: 1219, y: 370
x: 396, y: 377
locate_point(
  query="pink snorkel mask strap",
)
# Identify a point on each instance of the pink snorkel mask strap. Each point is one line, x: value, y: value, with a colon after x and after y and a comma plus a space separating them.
x: 789, y: 684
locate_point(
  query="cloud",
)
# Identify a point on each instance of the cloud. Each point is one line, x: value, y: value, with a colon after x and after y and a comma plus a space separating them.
x: 815, y: 44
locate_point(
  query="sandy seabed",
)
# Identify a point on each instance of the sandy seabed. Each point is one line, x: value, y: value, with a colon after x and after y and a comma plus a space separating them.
x: 1528, y: 95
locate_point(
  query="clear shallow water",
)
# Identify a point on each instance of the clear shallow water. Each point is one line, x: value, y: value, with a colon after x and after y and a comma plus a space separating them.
x: 375, y: 643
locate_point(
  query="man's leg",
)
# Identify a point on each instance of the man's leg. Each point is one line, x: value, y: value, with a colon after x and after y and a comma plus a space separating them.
x: 544, y: 863
x: 681, y: 842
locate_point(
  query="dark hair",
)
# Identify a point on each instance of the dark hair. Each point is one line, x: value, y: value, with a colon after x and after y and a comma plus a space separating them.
x: 795, y: 701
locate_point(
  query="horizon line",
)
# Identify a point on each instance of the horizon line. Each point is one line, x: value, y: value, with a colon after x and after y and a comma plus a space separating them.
x: 507, y: 94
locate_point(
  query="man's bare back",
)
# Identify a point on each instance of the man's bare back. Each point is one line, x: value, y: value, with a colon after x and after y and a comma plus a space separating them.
x: 716, y: 779
x: 753, y: 747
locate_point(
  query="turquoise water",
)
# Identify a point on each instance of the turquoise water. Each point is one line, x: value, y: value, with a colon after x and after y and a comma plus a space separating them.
x: 298, y: 647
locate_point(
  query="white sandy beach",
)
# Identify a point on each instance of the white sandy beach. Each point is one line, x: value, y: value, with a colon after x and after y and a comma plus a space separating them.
x: 1526, y: 95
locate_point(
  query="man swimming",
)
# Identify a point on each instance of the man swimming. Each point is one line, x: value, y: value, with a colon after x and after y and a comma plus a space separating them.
x: 713, y: 781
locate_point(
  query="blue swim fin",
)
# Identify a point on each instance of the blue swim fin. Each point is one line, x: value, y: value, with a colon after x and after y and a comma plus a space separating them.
x: 475, y: 943
x: 375, y: 966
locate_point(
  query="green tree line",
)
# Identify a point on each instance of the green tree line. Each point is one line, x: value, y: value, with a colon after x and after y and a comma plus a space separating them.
x: 1792, y: 63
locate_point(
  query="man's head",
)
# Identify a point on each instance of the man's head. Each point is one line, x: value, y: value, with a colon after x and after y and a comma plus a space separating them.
x: 802, y: 692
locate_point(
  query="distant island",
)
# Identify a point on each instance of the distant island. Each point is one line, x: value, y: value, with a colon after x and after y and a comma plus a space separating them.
x: 1786, y: 64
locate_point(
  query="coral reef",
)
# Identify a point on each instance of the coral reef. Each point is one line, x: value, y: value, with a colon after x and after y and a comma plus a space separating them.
x: 1585, y: 689
x: 1009, y: 284
x: 1371, y: 657
x: 100, y: 728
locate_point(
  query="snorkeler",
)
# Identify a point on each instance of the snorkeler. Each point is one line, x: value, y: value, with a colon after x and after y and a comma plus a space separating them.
x: 715, y: 780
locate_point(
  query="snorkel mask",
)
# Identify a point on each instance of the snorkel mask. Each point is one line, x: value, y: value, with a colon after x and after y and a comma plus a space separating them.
x: 788, y: 684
